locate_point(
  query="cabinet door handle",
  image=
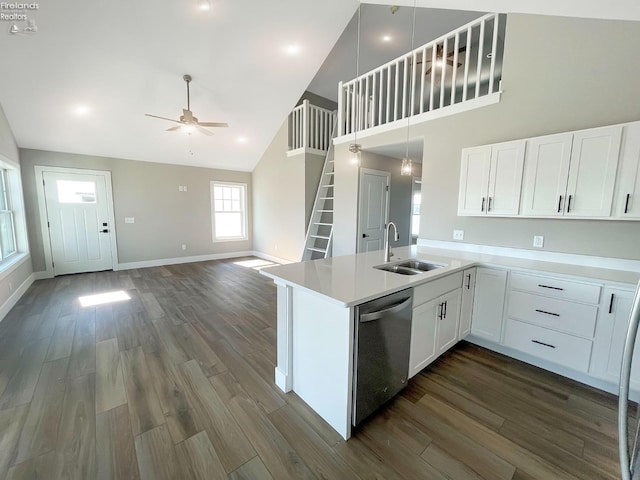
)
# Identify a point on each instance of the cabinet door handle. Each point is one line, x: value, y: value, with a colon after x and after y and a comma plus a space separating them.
x: 548, y: 313
x: 468, y: 281
x: 552, y: 288
x: 560, y: 204
x: 543, y: 344
x: 444, y: 310
x: 611, y: 304
x: 569, y: 203
x: 626, y: 203
x: 440, y: 308
x: 482, y: 207
x: 489, y: 204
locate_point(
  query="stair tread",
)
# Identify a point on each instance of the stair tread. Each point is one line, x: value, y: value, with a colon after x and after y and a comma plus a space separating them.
x: 325, y: 211
x: 314, y: 249
x: 326, y: 198
x: 322, y: 223
x: 320, y: 236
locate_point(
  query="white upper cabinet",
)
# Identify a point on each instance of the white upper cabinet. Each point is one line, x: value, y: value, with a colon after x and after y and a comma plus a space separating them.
x: 572, y: 174
x: 592, y: 174
x: 491, y: 179
x: 474, y: 180
x: 546, y: 173
x: 628, y: 192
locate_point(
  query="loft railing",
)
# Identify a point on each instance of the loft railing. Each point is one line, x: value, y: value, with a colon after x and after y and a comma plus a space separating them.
x: 310, y: 128
x: 458, y: 67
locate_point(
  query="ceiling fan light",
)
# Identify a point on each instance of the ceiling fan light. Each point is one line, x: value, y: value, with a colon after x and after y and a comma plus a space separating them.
x: 188, y: 129
x: 406, y: 167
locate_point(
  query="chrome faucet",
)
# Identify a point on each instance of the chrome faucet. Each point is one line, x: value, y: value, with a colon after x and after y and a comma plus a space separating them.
x: 387, y: 244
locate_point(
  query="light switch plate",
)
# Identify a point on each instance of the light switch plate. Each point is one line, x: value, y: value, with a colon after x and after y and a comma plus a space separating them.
x: 458, y: 234
x: 538, y: 241
x: 129, y: 220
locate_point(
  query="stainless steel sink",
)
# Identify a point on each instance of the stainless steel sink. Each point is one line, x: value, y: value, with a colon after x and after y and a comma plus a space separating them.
x: 410, y: 267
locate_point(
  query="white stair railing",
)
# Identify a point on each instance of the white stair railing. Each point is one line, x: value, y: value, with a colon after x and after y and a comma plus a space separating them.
x: 310, y: 128
x: 455, y: 68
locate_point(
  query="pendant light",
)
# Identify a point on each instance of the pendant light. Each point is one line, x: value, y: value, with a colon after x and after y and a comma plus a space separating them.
x: 406, y: 167
x: 355, y: 148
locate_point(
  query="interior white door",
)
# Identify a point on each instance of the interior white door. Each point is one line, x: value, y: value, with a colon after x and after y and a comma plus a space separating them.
x: 373, y: 209
x: 78, y: 219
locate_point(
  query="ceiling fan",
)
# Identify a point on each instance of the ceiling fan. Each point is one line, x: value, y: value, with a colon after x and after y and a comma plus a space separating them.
x: 189, y: 123
x: 439, y: 56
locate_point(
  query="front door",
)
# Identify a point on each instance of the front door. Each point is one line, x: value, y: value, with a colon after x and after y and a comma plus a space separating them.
x: 78, y: 216
x: 373, y: 209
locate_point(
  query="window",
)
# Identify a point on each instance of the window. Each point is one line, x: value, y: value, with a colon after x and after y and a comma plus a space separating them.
x: 416, y: 204
x: 7, y: 229
x: 229, y: 208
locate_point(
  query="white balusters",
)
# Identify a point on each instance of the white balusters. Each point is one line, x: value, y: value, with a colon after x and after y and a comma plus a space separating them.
x: 389, y: 93
x: 310, y: 128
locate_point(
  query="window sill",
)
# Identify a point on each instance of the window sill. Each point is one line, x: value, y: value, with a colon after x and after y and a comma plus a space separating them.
x: 225, y: 240
x: 7, y: 267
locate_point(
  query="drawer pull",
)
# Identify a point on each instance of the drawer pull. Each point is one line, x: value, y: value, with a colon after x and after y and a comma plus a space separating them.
x: 468, y: 281
x: 548, y: 313
x: 552, y: 288
x: 543, y: 344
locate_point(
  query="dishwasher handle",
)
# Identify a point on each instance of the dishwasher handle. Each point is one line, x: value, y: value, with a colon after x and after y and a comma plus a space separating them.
x: 378, y: 314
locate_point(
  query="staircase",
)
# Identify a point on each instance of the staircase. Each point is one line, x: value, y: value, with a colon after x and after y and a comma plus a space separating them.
x: 320, y: 232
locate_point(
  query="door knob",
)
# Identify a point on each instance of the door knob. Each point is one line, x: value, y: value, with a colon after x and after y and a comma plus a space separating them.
x: 104, y: 231
x: 364, y: 235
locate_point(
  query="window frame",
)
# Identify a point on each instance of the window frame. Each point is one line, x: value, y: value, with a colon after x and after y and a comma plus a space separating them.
x: 243, y: 211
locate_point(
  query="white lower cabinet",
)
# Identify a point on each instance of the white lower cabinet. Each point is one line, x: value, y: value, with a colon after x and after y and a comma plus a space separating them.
x: 611, y: 334
x: 436, y: 315
x: 488, y: 303
x: 466, y: 304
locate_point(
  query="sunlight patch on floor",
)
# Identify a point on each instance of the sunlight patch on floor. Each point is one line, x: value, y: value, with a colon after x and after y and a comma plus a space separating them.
x: 256, y: 264
x: 103, y: 298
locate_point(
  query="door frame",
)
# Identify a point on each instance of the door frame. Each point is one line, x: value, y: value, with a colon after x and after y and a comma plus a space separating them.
x: 362, y: 173
x: 42, y: 210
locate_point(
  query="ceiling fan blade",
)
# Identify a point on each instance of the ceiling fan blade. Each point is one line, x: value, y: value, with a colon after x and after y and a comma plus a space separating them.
x: 213, y: 124
x: 427, y: 72
x: 460, y: 50
x: 203, y: 130
x: 450, y: 62
x: 163, y: 118
x: 173, y: 129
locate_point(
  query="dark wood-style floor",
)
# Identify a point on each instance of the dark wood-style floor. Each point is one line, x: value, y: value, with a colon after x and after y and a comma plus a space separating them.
x: 177, y: 383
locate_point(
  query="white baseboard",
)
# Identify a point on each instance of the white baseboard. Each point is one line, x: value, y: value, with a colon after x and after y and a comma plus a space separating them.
x: 42, y: 275
x: 271, y: 258
x: 15, y: 296
x: 542, y: 256
x: 178, y: 260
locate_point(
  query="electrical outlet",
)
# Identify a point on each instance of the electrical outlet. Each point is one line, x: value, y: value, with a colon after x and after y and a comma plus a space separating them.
x: 184, y: 246
x: 184, y: 188
x: 538, y: 241
x: 458, y: 234
x: 129, y: 220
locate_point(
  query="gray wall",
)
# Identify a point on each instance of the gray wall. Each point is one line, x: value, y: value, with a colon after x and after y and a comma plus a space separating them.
x: 560, y: 74
x: 164, y: 217
x: 279, y: 201
x: 400, y: 191
x: 9, y: 150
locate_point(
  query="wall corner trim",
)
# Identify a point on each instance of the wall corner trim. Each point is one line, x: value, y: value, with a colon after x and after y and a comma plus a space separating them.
x: 271, y: 258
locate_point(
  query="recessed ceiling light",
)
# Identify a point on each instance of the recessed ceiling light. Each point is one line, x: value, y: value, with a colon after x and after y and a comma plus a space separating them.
x: 386, y: 38
x: 292, y: 49
x: 81, y: 109
x: 204, y: 5
x: 241, y: 139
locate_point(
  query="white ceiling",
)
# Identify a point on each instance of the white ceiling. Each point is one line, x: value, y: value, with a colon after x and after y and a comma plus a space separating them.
x: 124, y: 59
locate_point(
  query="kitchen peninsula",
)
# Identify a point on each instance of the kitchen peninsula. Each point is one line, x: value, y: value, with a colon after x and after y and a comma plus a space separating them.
x: 317, y: 302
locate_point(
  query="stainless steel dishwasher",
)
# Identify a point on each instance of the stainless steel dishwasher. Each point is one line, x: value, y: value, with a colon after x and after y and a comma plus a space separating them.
x: 381, y: 352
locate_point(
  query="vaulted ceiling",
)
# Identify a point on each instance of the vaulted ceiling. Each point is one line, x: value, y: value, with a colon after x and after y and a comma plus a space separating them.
x: 84, y: 81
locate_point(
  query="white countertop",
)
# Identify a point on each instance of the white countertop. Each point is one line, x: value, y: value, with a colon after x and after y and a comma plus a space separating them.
x: 351, y: 279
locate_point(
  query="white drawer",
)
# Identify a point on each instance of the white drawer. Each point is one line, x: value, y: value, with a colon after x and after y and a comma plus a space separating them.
x: 572, y: 352
x: 568, y: 317
x: 554, y: 287
x: 435, y: 288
